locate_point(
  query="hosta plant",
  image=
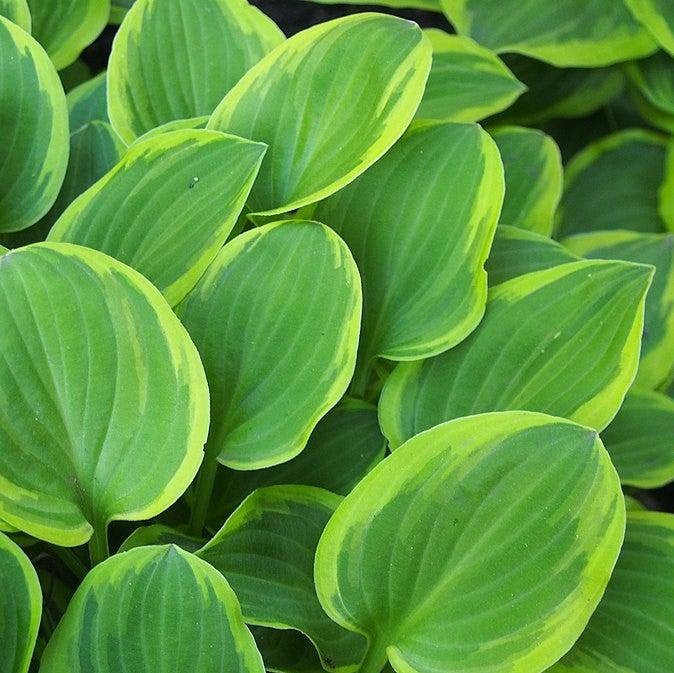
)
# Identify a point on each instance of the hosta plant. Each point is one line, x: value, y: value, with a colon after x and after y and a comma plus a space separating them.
x: 348, y: 350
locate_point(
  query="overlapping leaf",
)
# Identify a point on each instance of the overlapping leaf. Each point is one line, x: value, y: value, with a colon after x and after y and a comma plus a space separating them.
x: 430, y: 5
x: 654, y: 83
x: 563, y: 341
x: 658, y: 17
x: 294, y: 100
x: 153, y: 609
x: 16, y: 11
x: 119, y: 9
x: 175, y: 60
x: 420, y: 223
x: 286, y: 651
x: 490, y: 540
x: 167, y: 208
x: 88, y: 102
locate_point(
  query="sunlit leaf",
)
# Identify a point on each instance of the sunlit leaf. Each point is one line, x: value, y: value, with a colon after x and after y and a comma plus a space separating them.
x: 658, y: 17
x: 16, y: 11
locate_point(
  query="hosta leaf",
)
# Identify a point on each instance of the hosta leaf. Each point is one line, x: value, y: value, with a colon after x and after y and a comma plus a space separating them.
x: 467, y: 82
x: 153, y: 609
x: 20, y: 608
x: 533, y: 173
x: 158, y: 534
x: 167, y: 207
x: 516, y: 252
x: 657, y: 343
x: 88, y: 102
x: 565, y: 34
x: 270, y: 541
x: 34, y: 148
x: 286, y: 651
x: 430, y: 5
x: 176, y: 125
x: 613, y: 184
x: 103, y: 402
x: 16, y: 11
x: 281, y: 370
x: 174, y: 60
x: 640, y: 439
x: 65, y: 27
x: 318, y: 144
x: 654, y: 79
x: 119, y: 9
x: 658, y: 17
x: 490, y: 540
x: 345, y: 445
x: 666, y: 191
x: 631, y: 631
x: 656, y: 117
x: 563, y: 341
x: 420, y: 223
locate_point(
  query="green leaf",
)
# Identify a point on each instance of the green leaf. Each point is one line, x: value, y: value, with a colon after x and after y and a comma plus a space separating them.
x: 153, y: 609
x: 544, y: 345
x: 534, y: 177
x: 17, y: 12
x: 318, y: 144
x: 613, y: 184
x: 266, y: 551
x: 34, y: 148
x: 192, y: 123
x: 158, y: 534
x: 119, y: 9
x: 20, y: 607
x: 286, y: 651
x: 482, y: 544
x: 666, y: 192
x: 104, y: 403
x: 273, y: 374
x: 657, y: 344
x: 517, y: 251
x: 420, y: 223
x: 658, y: 17
x: 654, y: 79
x: 640, y: 439
x: 65, y: 27
x: 429, y: 5
x: 174, y: 60
x: 631, y: 631
x: 565, y: 34
x: 467, y: 82
x: 88, y: 102
x: 167, y: 207
x: 345, y: 445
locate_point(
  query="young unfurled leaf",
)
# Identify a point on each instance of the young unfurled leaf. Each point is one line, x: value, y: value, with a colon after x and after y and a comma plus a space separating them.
x: 657, y: 344
x: 658, y: 17
x: 533, y: 173
x: 153, y: 609
x: 88, y: 102
x: 631, y: 630
x: 420, y: 223
x: 20, y: 608
x: 565, y: 34
x: 613, y: 184
x: 270, y: 541
x: 517, y: 251
x: 639, y: 439
x: 103, y: 400
x: 34, y: 147
x: 175, y: 60
x: 167, y: 208
x: 294, y: 100
x: 467, y: 82
x: 488, y: 540
x: 17, y: 12
x: 563, y: 341
x: 65, y: 27
x: 345, y: 445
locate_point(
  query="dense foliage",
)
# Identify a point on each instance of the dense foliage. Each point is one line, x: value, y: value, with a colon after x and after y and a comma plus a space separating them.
x: 304, y: 369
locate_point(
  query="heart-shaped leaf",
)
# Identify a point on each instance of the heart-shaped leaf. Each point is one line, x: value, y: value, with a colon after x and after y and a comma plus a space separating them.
x: 631, y: 631
x: 517, y: 251
x: 20, y: 608
x: 17, y: 12
x: 565, y: 34
x: 488, y: 544
x: 103, y: 399
x: 657, y: 344
x: 613, y: 184
x: 563, y: 341
x: 153, y: 609
x: 658, y: 17
x: 167, y: 208
x: 270, y: 541
x: 65, y: 27
x: 420, y: 223
x: 88, y: 102
x: 533, y: 173
x: 174, y: 60
x: 467, y: 82
x: 318, y: 144
x: 34, y: 147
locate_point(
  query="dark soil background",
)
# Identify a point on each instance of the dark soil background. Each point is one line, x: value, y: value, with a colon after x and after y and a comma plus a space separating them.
x: 295, y: 15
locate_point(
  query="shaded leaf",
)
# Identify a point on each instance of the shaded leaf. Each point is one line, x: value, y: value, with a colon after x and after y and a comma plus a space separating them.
x: 158, y: 534
x: 88, y: 102
x: 286, y: 651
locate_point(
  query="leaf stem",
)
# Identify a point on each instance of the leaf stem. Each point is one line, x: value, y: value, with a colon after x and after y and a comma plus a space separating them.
x: 203, y: 490
x: 70, y: 560
x: 375, y: 658
x: 98, y: 545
